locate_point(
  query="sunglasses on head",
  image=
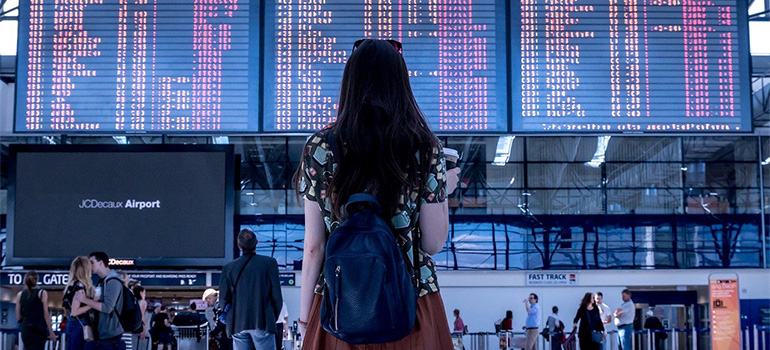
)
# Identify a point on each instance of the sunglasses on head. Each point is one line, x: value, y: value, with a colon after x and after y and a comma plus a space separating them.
x: 396, y: 44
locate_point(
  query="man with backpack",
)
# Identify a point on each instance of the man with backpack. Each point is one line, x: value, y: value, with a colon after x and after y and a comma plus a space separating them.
x: 251, y: 293
x: 107, y: 302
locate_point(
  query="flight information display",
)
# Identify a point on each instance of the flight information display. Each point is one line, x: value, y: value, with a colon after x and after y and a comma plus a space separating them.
x: 104, y: 66
x: 476, y: 66
x: 455, y: 51
x: 630, y: 66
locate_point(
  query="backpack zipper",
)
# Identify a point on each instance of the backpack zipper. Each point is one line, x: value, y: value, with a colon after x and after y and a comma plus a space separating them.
x: 337, y: 299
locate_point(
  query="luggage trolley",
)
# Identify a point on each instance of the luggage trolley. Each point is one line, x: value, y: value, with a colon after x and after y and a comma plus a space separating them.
x: 192, y: 337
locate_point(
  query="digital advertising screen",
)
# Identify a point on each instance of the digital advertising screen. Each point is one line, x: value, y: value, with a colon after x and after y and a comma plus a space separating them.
x: 159, y: 205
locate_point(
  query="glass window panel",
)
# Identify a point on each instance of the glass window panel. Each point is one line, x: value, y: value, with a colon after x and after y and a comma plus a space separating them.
x: 504, y: 202
x: 563, y: 175
x: 643, y: 149
x: 483, y: 149
x: 280, y: 240
x: 635, y: 175
x: 189, y: 140
x: 566, y: 201
x: 721, y: 174
x: 747, y: 201
x: 708, y: 243
x: 510, y: 175
x: 292, y: 204
x: 644, y: 201
x: 474, y: 245
x: 91, y: 140
x: 474, y: 151
x: 295, y: 147
x: 721, y: 148
x: 256, y: 201
x: 561, y: 149
x: 9, y: 39
x: 560, y: 247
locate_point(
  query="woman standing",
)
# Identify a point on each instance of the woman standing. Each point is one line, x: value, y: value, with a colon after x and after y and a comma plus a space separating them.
x: 79, y: 317
x: 507, y: 324
x: 32, y: 313
x: 591, y: 331
x: 161, y: 325
x: 139, y: 340
x: 385, y: 149
x: 459, y: 325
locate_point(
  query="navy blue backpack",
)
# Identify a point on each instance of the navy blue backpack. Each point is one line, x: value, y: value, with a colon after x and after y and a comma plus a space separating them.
x: 369, y: 294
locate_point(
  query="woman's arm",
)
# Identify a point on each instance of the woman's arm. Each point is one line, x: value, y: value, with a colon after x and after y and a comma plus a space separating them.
x: 44, y: 300
x: 434, y: 218
x: 79, y: 308
x: 143, y: 309
x: 17, y: 301
x: 577, y: 317
x: 312, y: 257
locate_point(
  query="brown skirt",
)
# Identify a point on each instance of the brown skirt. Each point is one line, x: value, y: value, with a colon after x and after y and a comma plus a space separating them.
x: 433, y: 332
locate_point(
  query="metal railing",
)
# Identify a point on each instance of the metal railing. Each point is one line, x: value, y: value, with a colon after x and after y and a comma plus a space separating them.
x: 756, y: 338
x: 11, y: 337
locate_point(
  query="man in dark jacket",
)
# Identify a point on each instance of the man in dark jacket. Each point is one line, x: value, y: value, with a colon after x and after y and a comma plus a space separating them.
x: 653, y: 322
x: 250, y: 287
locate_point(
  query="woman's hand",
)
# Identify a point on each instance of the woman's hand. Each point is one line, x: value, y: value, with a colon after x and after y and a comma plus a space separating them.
x: 452, y: 178
x: 51, y: 335
x: 302, y: 328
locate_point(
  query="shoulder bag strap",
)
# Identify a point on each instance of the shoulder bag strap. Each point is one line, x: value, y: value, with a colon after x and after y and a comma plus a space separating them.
x: 241, y: 272
x: 237, y: 279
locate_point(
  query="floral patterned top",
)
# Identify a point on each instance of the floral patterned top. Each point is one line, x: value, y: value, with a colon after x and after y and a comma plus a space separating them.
x: 319, y: 165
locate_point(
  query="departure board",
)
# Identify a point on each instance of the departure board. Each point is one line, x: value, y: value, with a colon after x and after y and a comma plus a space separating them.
x: 630, y: 66
x: 121, y: 66
x: 455, y: 51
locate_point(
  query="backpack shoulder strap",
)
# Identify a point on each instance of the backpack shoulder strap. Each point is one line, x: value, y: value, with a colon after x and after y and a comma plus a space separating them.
x: 120, y: 295
x: 331, y: 140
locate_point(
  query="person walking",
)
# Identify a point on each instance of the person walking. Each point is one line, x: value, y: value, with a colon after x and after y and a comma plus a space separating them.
x: 385, y: 148
x: 251, y: 287
x: 139, y: 340
x: 591, y: 332
x: 533, y: 321
x: 625, y: 319
x: 607, y: 319
x: 32, y: 313
x: 105, y: 301
x: 459, y: 325
x: 210, y: 296
x: 653, y: 323
x: 78, y: 313
x: 555, y: 329
x: 282, y: 326
x: 507, y: 324
x: 160, y: 327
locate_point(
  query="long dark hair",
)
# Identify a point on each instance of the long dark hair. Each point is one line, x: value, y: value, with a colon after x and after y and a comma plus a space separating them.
x: 587, y: 299
x: 30, y: 280
x: 379, y: 128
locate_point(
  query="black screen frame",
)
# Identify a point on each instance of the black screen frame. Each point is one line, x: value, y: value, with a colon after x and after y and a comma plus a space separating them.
x: 149, y: 262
